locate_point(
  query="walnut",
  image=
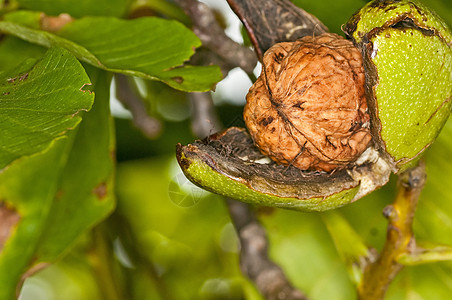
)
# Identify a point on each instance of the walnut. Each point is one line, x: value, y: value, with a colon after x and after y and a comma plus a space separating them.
x: 308, y: 107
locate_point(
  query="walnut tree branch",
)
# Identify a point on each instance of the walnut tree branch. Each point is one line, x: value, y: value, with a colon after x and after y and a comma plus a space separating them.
x: 268, y: 277
x: 150, y: 126
x: 213, y: 37
x: 399, y: 239
x: 204, y: 118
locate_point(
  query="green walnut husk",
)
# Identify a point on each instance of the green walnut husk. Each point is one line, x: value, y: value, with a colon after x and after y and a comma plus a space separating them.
x: 229, y: 164
x: 407, y: 57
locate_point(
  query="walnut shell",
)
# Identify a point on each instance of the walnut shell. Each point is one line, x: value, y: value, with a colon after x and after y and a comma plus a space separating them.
x: 308, y: 107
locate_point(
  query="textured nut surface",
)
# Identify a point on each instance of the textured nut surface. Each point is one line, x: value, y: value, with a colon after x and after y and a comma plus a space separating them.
x: 308, y: 106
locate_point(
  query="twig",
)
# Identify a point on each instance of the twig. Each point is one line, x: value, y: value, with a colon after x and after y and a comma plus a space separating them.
x: 204, y: 119
x: 268, y: 277
x: 151, y: 127
x: 399, y: 240
x: 424, y: 255
x: 213, y: 37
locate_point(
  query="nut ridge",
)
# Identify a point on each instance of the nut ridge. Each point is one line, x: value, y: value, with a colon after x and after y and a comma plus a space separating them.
x: 308, y: 107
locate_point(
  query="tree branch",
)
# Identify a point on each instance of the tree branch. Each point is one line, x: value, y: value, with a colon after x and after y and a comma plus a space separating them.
x: 150, y: 126
x: 204, y: 120
x: 213, y: 37
x: 399, y: 240
x: 268, y: 277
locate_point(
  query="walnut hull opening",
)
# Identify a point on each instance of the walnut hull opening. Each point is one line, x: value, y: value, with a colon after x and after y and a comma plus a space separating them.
x: 233, y: 154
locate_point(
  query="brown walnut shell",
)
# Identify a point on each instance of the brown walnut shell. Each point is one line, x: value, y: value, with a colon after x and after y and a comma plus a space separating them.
x: 308, y: 107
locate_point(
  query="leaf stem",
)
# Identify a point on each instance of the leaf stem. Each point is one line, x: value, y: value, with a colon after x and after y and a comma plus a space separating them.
x: 399, y: 239
x: 423, y: 255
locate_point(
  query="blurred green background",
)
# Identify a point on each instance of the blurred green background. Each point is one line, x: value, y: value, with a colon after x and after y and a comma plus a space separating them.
x: 167, y: 239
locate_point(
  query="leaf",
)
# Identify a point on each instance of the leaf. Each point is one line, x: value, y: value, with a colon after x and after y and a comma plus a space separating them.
x: 86, y: 190
x: 14, y: 51
x: 147, y: 47
x: 301, y: 245
x: 41, y: 104
x: 28, y: 187
x: 58, y: 193
x: 349, y: 244
x: 143, y: 46
x: 30, y: 19
x: 77, y: 8
x: 161, y: 7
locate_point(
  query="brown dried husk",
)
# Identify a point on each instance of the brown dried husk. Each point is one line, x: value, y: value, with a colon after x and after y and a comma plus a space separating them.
x: 308, y: 107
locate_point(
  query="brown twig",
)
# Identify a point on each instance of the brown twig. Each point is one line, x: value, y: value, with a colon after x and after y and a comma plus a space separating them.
x: 204, y: 118
x: 213, y: 37
x: 399, y: 240
x: 150, y: 126
x: 254, y: 261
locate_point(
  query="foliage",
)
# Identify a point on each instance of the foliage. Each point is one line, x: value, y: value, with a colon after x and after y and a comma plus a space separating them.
x: 135, y: 228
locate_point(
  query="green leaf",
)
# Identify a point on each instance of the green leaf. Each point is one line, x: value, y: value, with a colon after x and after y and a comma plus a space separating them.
x: 57, y: 194
x: 41, y: 104
x: 27, y: 189
x: 349, y: 244
x: 161, y: 7
x: 301, y: 245
x: 14, y: 51
x: 85, y: 194
x: 77, y: 8
x: 30, y: 19
x: 151, y: 48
